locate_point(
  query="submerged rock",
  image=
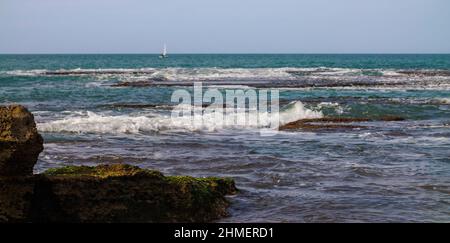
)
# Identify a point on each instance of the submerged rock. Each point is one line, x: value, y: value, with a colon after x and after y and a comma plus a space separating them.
x: 20, y: 143
x: 334, y: 123
x: 134, y: 84
x: 112, y: 193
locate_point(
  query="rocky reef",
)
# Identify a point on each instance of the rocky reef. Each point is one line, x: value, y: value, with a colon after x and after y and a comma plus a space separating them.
x: 112, y: 193
x: 334, y: 123
x: 105, y: 193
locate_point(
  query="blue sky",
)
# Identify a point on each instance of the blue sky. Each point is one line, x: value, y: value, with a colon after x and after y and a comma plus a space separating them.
x: 225, y: 26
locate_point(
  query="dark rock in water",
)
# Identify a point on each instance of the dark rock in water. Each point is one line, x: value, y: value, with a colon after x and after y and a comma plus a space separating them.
x: 334, y: 123
x: 391, y: 118
x: 112, y: 193
x: 156, y: 81
x: 425, y: 73
x: 20, y: 143
x: 322, y: 123
x: 134, y: 84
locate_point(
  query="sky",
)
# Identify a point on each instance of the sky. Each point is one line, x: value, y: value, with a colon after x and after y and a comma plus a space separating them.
x: 225, y: 26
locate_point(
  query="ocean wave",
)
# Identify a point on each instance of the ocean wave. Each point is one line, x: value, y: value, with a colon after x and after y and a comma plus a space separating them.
x: 76, y: 72
x: 257, y: 77
x: 176, y: 73
x: 419, y: 101
x: 90, y: 122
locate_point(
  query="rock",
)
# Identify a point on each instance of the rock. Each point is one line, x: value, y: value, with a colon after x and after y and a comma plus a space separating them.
x: 16, y: 195
x: 334, y: 123
x: 134, y: 84
x: 112, y: 193
x: 20, y: 143
x: 425, y: 73
x: 155, y: 81
x: 390, y: 118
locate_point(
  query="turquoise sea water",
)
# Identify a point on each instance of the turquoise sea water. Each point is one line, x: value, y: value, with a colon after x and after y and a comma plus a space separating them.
x: 95, y: 109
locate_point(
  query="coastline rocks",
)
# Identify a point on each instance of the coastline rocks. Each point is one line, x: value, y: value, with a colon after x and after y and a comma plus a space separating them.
x: 20, y: 143
x: 124, y: 193
x: 105, y: 193
x: 112, y: 193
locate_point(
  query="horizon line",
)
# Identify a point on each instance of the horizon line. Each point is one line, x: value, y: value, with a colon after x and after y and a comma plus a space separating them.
x: 236, y: 53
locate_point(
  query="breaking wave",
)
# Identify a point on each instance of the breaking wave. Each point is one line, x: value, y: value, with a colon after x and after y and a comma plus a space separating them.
x: 430, y: 101
x: 90, y: 122
x: 214, y: 73
x: 267, y: 77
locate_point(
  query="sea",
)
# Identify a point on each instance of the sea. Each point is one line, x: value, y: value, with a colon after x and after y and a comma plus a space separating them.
x: 95, y: 109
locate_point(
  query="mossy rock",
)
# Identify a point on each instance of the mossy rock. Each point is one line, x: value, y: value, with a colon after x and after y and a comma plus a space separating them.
x: 101, y: 171
x: 122, y: 193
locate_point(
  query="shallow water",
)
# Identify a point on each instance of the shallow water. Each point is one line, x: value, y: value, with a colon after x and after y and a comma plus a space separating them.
x: 384, y: 171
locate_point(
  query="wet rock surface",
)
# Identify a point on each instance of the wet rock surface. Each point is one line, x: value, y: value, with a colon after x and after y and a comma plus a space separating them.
x: 112, y: 193
x: 334, y: 123
x: 123, y: 193
x: 20, y: 143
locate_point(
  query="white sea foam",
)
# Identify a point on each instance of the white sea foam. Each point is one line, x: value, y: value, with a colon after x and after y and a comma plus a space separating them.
x: 442, y: 100
x: 339, y: 110
x: 327, y: 104
x: 328, y: 77
x: 194, y: 74
x: 174, y: 74
x: 390, y: 73
x: 433, y: 101
x: 187, y: 74
x: 34, y: 72
x: 90, y: 122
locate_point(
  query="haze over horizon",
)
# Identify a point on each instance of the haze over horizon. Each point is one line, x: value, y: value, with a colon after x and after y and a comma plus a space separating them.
x: 232, y: 26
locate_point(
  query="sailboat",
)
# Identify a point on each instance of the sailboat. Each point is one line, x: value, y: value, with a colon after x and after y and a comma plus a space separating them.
x: 164, y: 53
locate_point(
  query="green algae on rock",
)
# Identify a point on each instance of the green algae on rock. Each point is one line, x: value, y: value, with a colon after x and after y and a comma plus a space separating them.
x: 118, y: 193
x: 101, y: 171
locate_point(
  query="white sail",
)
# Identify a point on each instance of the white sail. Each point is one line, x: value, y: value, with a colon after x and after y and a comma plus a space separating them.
x: 164, y: 53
